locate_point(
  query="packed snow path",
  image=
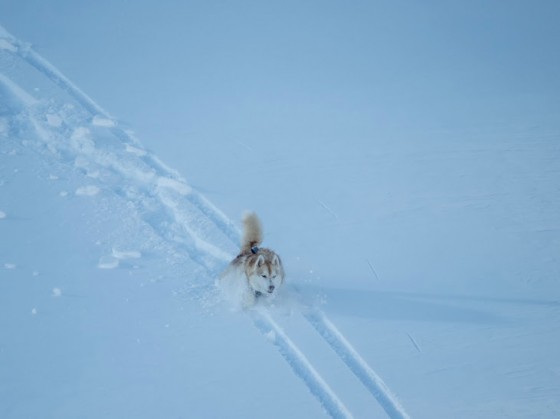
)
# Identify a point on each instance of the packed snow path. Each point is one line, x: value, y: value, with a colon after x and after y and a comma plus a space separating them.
x: 84, y: 135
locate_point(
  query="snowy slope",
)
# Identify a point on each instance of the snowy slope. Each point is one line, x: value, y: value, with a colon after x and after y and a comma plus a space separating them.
x: 433, y: 290
x: 121, y: 254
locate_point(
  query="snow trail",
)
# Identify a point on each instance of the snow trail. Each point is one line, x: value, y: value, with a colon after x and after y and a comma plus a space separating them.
x: 153, y: 181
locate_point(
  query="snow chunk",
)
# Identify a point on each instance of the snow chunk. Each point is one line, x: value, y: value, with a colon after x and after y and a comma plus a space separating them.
x: 108, y: 262
x: 89, y: 190
x: 100, y: 121
x: 34, y: 311
x: 82, y: 141
x: 2, y: 215
x: 56, y: 292
x: 9, y: 266
x: 93, y: 174
x: 80, y: 133
x: 135, y: 150
x: 178, y: 186
x: 126, y: 254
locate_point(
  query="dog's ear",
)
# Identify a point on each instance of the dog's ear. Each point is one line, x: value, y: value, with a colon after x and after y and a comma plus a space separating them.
x: 276, y: 260
x: 260, y: 261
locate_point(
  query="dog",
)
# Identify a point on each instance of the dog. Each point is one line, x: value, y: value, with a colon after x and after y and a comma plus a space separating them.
x: 255, y: 272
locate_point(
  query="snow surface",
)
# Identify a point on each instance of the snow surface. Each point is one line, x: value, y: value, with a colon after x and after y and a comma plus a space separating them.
x: 415, y: 205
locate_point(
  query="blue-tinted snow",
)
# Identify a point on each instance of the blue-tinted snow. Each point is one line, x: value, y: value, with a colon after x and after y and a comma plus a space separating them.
x: 403, y: 158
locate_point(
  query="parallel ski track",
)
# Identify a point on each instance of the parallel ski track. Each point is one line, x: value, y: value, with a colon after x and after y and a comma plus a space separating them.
x: 261, y: 319
x: 369, y: 378
x: 300, y: 364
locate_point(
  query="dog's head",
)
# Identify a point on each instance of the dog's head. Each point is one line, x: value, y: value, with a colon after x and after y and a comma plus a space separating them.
x: 265, y: 273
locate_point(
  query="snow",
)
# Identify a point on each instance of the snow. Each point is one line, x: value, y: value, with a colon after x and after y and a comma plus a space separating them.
x: 5, y: 44
x: 127, y: 254
x: 89, y: 190
x: 404, y: 162
x: 100, y: 121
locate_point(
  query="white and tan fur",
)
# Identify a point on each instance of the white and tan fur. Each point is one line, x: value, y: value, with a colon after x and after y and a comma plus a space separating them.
x: 255, y: 271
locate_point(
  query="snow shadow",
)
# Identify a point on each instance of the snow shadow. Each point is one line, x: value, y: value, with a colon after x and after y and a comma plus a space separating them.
x: 401, y: 306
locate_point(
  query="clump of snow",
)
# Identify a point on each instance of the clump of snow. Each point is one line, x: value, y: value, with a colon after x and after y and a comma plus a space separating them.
x: 56, y: 292
x: 108, y: 262
x: 90, y: 190
x: 126, y: 254
x: 10, y: 266
x: 94, y: 174
x: 135, y: 150
x: 82, y: 141
x: 100, y: 121
x: 33, y: 311
x: 2, y: 215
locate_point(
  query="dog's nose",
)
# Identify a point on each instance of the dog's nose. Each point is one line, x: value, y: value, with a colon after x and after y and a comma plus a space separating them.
x: 271, y: 288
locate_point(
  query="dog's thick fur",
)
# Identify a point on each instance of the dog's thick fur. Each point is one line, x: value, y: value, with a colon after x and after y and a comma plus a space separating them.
x: 258, y: 268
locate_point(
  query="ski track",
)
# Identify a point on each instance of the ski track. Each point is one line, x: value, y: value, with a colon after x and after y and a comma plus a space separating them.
x: 359, y: 367
x: 300, y: 364
x: 157, y: 185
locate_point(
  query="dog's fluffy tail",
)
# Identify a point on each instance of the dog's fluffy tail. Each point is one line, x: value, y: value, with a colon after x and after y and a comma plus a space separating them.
x: 252, y: 232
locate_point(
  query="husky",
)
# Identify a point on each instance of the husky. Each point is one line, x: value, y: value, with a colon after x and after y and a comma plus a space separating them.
x: 256, y: 271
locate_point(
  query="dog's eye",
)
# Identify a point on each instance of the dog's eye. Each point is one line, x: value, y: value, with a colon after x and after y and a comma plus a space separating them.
x: 264, y: 276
